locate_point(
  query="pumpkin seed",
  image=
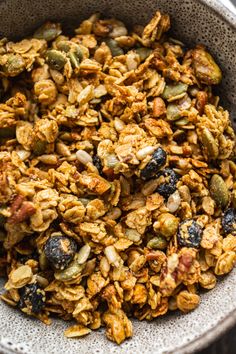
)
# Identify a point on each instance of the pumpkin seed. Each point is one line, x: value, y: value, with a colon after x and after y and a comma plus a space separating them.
x: 174, y: 90
x: 71, y: 272
x: 48, y: 31
x: 209, y: 143
x: 84, y: 201
x: 181, y: 122
x: 55, y: 59
x: 157, y: 243
x: 74, y: 59
x: 206, y: 69
x: 114, y: 47
x: 15, y: 65
x: 133, y: 235
x: 79, y: 53
x: 219, y: 190
x: 143, y: 53
x: 39, y: 147
x: 173, y: 111
x: 64, y: 46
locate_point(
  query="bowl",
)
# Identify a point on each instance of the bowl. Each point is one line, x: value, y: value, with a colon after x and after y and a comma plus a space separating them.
x: 205, y: 21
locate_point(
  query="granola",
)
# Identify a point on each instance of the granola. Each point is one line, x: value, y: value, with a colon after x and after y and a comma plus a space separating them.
x: 117, y: 175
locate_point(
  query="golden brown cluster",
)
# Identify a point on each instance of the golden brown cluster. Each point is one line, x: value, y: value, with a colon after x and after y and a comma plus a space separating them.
x: 117, y: 175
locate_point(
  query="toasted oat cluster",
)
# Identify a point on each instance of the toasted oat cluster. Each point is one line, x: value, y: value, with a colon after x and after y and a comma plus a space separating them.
x: 117, y: 175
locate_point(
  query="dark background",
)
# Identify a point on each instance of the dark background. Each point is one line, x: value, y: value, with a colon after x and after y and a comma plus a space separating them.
x: 224, y: 345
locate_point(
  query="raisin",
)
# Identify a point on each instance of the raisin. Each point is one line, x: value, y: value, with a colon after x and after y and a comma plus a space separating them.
x: 189, y: 233
x: 32, y: 298
x: 97, y: 163
x: 169, y: 186
x: 157, y: 161
x: 60, y: 251
x: 229, y: 221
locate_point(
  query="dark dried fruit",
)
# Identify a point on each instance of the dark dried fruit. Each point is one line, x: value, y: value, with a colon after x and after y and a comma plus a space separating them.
x: 97, y: 163
x: 60, y: 251
x: 229, y: 221
x: 32, y: 298
x: 157, y: 161
x: 189, y: 234
x: 169, y: 186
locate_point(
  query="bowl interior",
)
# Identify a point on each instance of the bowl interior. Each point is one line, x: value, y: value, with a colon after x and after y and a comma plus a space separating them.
x: 192, y: 22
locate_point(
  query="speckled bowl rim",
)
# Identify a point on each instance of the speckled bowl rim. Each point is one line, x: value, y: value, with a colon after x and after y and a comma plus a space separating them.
x: 230, y: 320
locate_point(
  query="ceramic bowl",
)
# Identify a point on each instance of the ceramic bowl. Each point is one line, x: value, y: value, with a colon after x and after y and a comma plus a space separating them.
x: 193, y: 21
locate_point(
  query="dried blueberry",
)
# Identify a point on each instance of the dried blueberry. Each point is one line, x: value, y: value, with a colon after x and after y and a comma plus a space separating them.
x: 60, y: 251
x: 157, y: 161
x: 189, y: 233
x: 32, y: 298
x: 97, y: 163
x: 229, y: 221
x: 169, y: 186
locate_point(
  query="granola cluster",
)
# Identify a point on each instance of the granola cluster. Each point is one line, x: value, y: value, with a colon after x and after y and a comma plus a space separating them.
x: 117, y: 175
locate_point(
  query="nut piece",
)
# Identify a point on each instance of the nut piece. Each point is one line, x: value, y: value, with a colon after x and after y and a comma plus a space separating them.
x: 45, y: 91
x: 166, y: 225
x: 19, y: 277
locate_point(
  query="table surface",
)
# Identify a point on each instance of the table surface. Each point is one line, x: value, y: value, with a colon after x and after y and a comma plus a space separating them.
x: 227, y: 343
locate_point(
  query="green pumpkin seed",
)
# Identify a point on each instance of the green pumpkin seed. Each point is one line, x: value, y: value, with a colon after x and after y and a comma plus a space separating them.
x: 219, y: 190
x: 209, y: 143
x: 173, y: 112
x: 114, y: 47
x: 75, y: 61
x: 39, y: 147
x: 48, y: 31
x: 64, y: 46
x: 143, y: 53
x: 8, y: 132
x: 181, y: 122
x: 133, y: 235
x: 15, y: 65
x: 157, y: 243
x: 174, y: 90
x: 71, y: 272
x: 84, y: 201
x: 55, y: 59
x: 206, y: 69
